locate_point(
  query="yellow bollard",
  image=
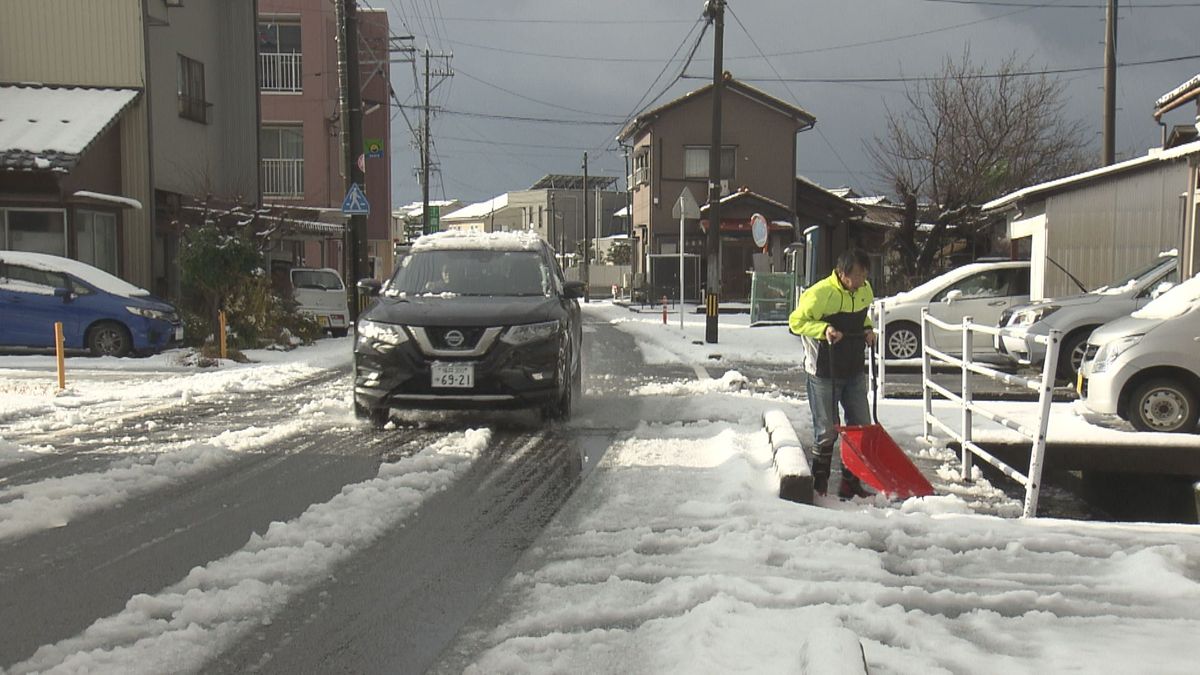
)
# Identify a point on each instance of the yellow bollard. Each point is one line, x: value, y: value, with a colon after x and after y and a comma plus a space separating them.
x: 221, y: 333
x: 58, y: 353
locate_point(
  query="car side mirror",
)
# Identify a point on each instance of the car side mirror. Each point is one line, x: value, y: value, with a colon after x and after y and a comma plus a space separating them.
x: 574, y: 289
x: 64, y: 293
x: 370, y: 287
x: 953, y: 296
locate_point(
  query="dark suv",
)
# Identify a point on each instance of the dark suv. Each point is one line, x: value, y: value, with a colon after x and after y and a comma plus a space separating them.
x: 470, y: 321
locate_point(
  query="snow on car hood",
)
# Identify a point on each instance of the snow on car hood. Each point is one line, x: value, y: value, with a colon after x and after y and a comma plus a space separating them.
x: 1126, y: 325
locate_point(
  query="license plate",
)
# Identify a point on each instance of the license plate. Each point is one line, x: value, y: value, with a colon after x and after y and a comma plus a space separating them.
x: 458, y: 375
x: 322, y: 320
x: 178, y: 333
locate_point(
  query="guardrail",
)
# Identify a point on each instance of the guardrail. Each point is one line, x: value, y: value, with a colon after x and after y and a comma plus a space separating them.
x: 1032, y: 478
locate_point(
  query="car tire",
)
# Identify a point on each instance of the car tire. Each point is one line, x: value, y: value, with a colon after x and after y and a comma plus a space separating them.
x: 1070, y: 353
x: 378, y: 417
x: 903, y: 341
x: 109, y: 338
x: 560, y: 407
x: 339, y: 332
x: 1163, y: 404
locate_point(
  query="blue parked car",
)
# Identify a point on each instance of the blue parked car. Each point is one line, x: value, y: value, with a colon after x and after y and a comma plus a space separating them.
x: 101, y: 313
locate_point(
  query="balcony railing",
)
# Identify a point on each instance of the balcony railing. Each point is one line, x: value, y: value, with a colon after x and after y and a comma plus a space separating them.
x: 280, y: 71
x: 283, y: 177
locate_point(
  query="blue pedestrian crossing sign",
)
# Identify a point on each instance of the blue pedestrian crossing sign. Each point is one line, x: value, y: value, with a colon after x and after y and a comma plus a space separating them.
x: 355, y: 203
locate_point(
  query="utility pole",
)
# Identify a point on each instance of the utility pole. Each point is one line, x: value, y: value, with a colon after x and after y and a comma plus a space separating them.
x: 714, y: 10
x: 586, y: 276
x: 425, y: 154
x: 353, y: 145
x: 1110, y: 84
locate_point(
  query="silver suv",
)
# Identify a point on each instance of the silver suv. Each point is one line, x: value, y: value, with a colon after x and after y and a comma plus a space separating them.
x: 1078, y: 315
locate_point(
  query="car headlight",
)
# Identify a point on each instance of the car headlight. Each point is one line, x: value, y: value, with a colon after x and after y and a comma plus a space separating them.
x: 387, y: 333
x: 530, y: 332
x: 149, y: 313
x: 1028, y: 317
x: 1109, y: 352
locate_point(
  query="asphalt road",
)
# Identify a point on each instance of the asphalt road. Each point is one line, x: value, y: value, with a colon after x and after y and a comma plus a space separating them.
x: 393, y: 607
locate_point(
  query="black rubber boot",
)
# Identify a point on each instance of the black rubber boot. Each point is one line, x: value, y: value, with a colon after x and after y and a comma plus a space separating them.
x: 851, y: 487
x: 820, y: 470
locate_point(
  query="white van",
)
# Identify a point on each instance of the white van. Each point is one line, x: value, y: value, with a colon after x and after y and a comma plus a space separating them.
x: 322, y: 295
x: 1146, y: 367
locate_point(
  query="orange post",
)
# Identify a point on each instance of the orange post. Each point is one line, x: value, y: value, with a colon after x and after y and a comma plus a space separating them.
x: 221, y: 333
x: 58, y: 353
x: 664, y: 310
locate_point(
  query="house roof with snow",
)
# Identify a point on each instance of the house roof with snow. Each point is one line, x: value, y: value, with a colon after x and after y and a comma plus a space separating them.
x: 1048, y: 188
x: 478, y: 209
x: 49, y: 128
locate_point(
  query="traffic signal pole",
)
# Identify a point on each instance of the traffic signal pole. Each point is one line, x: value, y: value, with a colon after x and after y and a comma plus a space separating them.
x: 715, y: 11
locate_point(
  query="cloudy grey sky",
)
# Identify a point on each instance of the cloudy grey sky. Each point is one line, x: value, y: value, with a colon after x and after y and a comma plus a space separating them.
x: 569, y: 60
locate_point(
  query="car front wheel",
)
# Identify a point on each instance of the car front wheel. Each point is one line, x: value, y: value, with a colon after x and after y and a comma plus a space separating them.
x: 560, y: 407
x: 109, y: 338
x: 378, y: 417
x: 903, y: 341
x: 1162, y: 405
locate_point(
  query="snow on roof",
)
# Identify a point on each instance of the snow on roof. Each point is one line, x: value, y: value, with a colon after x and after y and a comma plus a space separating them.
x: 459, y: 240
x: 115, y: 199
x: 1155, y: 155
x: 621, y: 212
x: 479, y: 209
x: 1174, y: 303
x: 49, y: 127
x: 417, y: 208
x: 96, y: 277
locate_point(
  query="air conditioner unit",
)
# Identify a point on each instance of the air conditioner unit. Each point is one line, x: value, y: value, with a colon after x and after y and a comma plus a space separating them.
x: 724, y: 187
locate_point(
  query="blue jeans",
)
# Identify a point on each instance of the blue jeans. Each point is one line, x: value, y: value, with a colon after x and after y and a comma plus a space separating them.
x: 851, y: 392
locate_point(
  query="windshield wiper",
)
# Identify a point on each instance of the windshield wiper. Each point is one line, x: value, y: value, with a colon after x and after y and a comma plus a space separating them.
x: 1078, y: 283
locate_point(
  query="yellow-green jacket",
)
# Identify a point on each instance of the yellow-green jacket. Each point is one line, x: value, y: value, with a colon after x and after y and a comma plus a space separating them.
x: 828, y: 303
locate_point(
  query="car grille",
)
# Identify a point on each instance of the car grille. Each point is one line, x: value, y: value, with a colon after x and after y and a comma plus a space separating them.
x: 438, y: 337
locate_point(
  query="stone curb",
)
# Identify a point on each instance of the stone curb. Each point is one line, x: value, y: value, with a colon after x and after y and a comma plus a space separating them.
x: 795, y: 476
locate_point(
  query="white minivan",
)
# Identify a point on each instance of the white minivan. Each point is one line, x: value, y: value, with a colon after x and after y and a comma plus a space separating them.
x: 322, y: 295
x: 1146, y: 367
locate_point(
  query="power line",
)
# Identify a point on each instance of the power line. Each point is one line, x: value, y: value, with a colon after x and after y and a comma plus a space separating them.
x: 932, y: 78
x: 590, y: 22
x: 520, y: 118
x: 526, y: 97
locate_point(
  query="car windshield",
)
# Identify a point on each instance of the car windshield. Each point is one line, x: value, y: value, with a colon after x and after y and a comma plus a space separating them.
x: 322, y: 280
x: 1135, y: 279
x: 471, y: 272
x: 1174, y: 303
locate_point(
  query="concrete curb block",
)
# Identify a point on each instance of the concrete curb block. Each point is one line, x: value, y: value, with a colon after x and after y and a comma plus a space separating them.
x: 795, y: 476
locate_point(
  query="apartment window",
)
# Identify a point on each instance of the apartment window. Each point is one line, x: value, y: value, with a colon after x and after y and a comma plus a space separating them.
x: 695, y: 161
x: 282, y: 149
x: 35, y: 230
x: 192, y: 103
x: 96, y: 239
x: 279, y: 57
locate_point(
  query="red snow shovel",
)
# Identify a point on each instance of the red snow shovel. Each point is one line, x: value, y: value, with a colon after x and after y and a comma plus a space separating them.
x: 871, y: 454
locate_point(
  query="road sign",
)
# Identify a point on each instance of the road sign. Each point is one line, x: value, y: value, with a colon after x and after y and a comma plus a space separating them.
x: 686, y: 206
x: 758, y: 228
x: 373, y: 147
x: 355, y: 203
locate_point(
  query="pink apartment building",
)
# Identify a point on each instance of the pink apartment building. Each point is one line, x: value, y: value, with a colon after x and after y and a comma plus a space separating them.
x: 302, y: 129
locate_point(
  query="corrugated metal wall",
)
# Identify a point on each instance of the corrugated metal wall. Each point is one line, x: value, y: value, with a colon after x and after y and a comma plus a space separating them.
x: 72, y: 42
x: 1106, y: 230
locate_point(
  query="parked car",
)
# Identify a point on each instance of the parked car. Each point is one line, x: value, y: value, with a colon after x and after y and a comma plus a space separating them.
x: 321, y: 294
x: 980, y: 290
x: 1146, y: 367
x: 470, y: 320
x: 101, y: 313
x: 1078, y: 315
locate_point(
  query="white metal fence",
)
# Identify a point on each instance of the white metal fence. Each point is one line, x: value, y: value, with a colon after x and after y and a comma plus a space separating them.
x: 281, y: 71
x: 968, y: 408
x: 283, y: 177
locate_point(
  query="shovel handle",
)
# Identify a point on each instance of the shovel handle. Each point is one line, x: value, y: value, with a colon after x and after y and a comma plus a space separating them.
x: 870, y: 369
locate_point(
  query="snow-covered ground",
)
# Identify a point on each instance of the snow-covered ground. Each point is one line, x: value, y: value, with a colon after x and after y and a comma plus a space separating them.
x: 673, y: 555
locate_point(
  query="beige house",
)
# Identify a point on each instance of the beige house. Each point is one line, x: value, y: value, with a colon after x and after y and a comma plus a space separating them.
x: 670, y: 153
x: 181, y: 120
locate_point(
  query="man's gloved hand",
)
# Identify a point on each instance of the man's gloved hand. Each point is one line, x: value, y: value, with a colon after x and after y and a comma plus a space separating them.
x: 833, y: 335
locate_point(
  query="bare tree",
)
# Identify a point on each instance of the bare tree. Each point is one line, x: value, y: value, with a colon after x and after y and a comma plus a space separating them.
x: 966, y: 137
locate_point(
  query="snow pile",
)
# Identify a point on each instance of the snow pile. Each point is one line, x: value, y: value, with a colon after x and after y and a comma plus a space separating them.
x: 675, y: 557
x: 181, y: 627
